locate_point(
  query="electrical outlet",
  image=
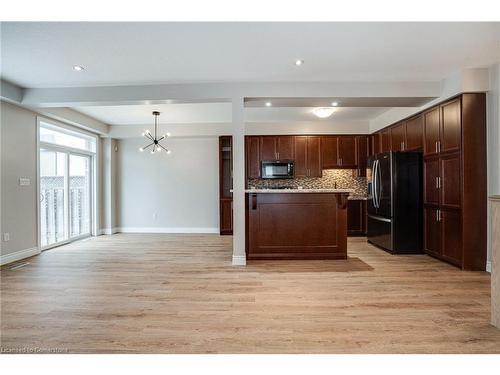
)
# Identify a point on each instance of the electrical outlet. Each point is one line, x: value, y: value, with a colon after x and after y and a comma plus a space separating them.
x: 155, y: 216
x: 6, y: 237
x: 24, y: 181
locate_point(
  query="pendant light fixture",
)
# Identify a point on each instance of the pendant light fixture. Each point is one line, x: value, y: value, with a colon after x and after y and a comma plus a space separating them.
x: 155, y: 141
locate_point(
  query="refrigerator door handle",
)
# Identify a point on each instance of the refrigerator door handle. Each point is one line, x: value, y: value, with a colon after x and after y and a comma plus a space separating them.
x: 374, y: 192
x: 379, y: 188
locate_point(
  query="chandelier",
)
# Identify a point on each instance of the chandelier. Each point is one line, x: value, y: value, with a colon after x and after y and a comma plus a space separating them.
x: 155, y: 141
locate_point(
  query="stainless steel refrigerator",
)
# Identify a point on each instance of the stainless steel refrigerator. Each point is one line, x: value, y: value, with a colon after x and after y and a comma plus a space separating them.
x: 394, y: 206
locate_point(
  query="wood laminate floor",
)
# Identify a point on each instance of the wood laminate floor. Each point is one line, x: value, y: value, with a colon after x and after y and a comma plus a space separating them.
x: 138, y: 293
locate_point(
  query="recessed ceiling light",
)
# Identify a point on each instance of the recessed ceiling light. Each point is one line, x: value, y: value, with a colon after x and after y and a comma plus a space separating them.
x: 323, y: 112
x: 299, y: 62
x: 334, y: 104
x: 78, y: 68
x: 268, y: 104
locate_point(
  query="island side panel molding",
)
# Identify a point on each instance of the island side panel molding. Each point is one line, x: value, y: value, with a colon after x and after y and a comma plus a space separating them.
x: 296, y: 226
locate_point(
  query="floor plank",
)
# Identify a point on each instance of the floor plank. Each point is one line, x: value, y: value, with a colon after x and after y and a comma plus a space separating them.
x: 165, y: 293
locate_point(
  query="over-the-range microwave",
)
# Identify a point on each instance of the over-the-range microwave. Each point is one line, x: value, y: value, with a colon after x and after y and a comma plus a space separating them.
x: 276, y: 169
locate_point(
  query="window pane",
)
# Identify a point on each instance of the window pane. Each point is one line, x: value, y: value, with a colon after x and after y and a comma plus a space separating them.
x: 63, y: 137
x: 52, y: 200
x: 79, y: 195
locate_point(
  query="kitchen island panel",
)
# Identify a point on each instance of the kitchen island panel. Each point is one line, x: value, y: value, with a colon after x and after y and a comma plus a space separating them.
x: 296, y: 226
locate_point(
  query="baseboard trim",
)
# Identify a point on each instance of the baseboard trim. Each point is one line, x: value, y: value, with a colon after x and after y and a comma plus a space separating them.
x: 109, y: 231
x: 168, y: 230
x: 18, y: 255
x: 239, y: 260
x: 488, y: 267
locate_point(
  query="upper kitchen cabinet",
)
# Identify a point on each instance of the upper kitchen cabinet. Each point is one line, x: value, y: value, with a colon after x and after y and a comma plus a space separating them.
x: 414, y: 133
x: 285, y: 147
x: 268, y: 148
x: 253, y: 157
x: 307, y: 156
x: 450, y: 126
x: 329, y: 151
x: 342, y: 151
x: 347, y: 151
x: 277, y: 147
x: 362, y: 153
x: 385, y: 140
x: 398, y: 137
x: 431, y: 131
x: 375, y: 141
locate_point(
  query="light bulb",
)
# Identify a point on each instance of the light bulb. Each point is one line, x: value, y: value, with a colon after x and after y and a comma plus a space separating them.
x: 169, y: 152
x: 141, y: 149
x: 143, y: 134
x: 168, y: 134
x: 148, y: 132
x: 159, y: 149
x: 299, y: 62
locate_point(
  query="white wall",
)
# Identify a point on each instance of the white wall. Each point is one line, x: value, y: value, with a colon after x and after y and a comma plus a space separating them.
x: 168, y: 193
x: 18, y: 159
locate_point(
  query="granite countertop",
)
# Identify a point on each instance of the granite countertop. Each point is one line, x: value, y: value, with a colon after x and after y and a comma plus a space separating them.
x: 298, y: 191
x: 357, y: 198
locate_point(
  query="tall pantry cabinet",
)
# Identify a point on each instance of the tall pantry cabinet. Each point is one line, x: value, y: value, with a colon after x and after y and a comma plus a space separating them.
x: 455, y: 200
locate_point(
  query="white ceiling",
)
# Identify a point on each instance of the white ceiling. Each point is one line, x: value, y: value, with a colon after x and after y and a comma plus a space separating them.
x: 169, y: 113
x: 219, y: 113
x: 42, y: 54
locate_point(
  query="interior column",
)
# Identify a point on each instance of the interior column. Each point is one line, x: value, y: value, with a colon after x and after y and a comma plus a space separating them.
x: 238, y: 133
x: 495, y: 260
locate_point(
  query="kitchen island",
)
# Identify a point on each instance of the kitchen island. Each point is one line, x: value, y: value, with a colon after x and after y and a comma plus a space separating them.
x: 296, y: 223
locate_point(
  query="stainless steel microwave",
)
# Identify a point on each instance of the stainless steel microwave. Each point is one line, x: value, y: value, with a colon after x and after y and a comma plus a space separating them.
x: 276, y: 169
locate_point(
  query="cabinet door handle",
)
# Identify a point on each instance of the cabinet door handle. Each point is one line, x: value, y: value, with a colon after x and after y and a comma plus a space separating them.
x: 437, y: 150
x: 437, y: 182
x: 278, y: 155
x: 437, y: 215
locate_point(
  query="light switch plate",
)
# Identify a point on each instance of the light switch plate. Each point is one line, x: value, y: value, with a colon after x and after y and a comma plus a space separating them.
x: 24, y: 181
x: 6, y: 237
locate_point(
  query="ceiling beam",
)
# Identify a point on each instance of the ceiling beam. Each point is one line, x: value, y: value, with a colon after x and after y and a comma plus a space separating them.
x: 156, y: 94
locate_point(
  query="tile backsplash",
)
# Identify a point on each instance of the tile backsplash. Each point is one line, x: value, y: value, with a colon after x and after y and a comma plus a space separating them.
x: 343, y: 177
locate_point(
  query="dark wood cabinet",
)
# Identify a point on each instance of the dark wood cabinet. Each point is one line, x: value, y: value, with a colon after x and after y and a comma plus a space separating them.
x: 268, y: 148
x: 308, y: 156
x: 225, y: 185
x: 449, y: 182
x: 356, y: 217
x: 362, y: 153
x: 301, y: 167
x: 431, y: 181
x: 296, y: 226
x: 347, y: 151
x: 455, y: 181
x: 385, y: 140
x: 329, y: 151
x: 451, y: 235
x: 414, y: 133
x: 314, y: 156
x: 432, y: 231
x: 398, y: 137
x: 375, y: 141
x: 253, y: 157
x: 286, y: 147
x: 450, y: 135
x: 431, y: 132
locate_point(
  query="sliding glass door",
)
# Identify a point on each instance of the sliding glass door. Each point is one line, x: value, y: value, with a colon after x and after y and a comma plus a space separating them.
x: 53, y: 197
x: 79, y: 195
x: 65, y: 185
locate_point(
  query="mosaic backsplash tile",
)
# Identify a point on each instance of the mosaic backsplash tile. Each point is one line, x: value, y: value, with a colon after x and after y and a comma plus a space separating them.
x: 342, y: 177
